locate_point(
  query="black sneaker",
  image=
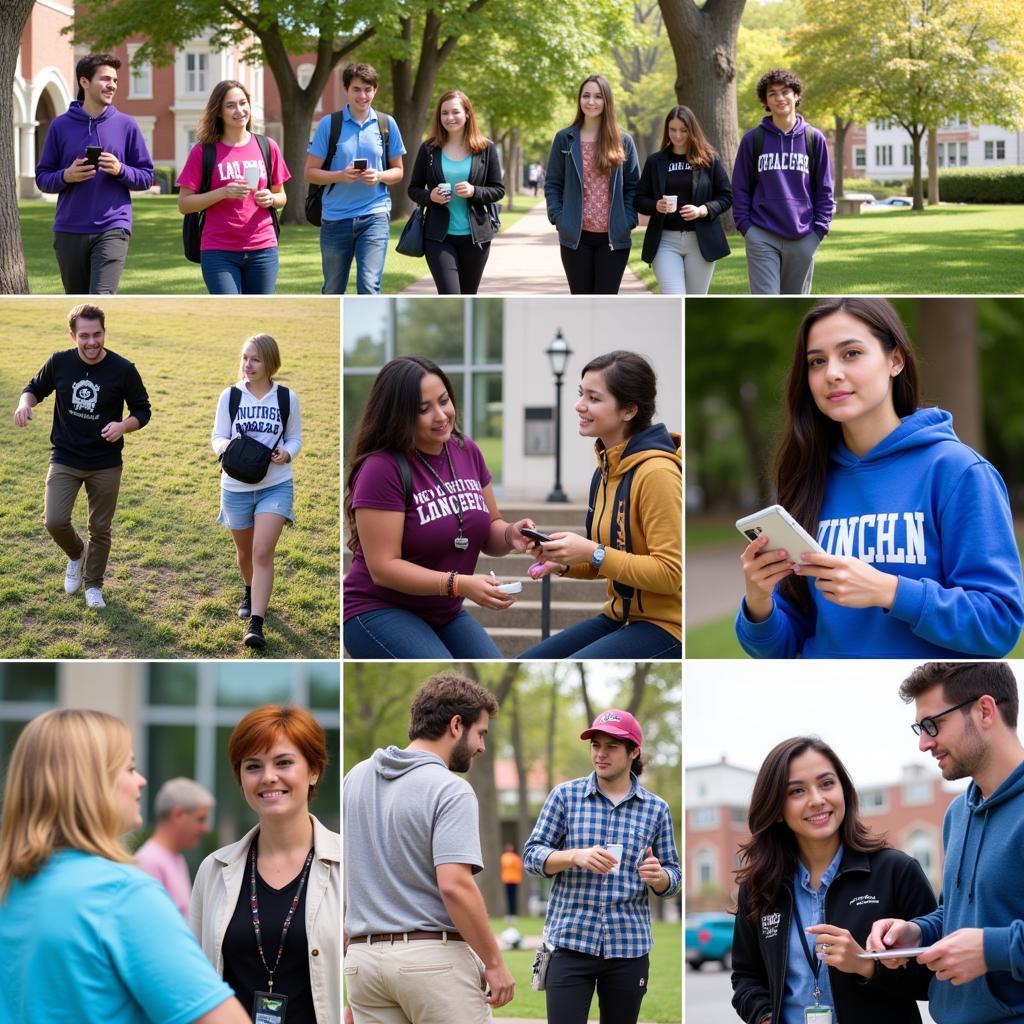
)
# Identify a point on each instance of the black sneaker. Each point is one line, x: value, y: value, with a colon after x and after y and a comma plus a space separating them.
x: 245, y: 608
x: 254, y: 636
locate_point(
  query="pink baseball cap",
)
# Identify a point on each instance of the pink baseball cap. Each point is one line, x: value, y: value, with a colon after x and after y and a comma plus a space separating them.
x: 616, y: 723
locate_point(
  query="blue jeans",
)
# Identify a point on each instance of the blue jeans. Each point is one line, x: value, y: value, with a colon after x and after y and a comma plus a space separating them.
x: 366, y: 239
x: 397, y: 633
x: 240, y: 273
x: 601, y: 637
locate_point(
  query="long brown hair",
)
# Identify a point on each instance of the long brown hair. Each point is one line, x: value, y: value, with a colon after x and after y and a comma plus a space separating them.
x: 211, y: 123
x: 475, y: 142
x: 770, y: 855
x: 388, y: 420
x: 801, y: 460
x: 699, y: 152
x: 610, y: 151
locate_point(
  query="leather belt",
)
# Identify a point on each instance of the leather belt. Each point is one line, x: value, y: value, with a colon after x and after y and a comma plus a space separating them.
x: 403, y: 936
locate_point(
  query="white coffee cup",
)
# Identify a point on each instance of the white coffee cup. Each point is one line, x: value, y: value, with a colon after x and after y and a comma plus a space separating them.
x: 615, y: 849
x: 252, y: 177
x: 445, y: 189
x: 672, y: 201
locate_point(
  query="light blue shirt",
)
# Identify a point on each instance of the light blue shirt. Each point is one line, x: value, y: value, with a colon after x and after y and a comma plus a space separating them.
x: 455, y: 171
x: 90, y: 940
x: 799, y: 976
x: 344, y: 201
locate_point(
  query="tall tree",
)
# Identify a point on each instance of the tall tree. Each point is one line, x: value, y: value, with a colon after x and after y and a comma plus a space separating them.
x: 704, y: 43
x: 13, y: 277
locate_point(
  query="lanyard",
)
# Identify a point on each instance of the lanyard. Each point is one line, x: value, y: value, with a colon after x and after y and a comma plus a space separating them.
x: 812, y: 961
x: 461, y: 542
x: 254, y: 903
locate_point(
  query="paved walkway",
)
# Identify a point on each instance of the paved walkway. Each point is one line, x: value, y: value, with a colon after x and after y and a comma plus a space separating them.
x: 714, y: 582
x: 525, y: 258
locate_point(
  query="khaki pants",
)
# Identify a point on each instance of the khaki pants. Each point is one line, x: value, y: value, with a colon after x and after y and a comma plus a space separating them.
x: 101, y: 488
x: 424, y: 981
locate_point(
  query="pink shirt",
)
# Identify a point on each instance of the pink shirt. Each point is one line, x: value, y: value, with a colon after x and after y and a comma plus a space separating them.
x: 169, y: 869
x: 237, y: 225
x: 596, y: 191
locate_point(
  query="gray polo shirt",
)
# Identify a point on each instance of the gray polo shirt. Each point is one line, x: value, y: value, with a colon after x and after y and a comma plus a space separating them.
x: 404, y: 814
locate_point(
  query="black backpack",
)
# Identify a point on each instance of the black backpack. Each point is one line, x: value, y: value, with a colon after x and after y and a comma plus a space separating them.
x: 192, y: 225
x: 315, y: 193
x: 245, y: 458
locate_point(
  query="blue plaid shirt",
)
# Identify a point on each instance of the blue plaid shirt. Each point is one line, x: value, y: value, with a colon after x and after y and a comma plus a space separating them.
x: 604, y: 915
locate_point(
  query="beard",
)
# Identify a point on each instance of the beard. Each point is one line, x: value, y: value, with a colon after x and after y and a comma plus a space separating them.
x: 971, y: 758
x: 461, y: 757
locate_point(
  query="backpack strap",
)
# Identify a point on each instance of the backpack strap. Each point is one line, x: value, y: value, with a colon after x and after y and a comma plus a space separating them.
x: 595, y: 482
x: 234, y: 400
x: 209, y: 159
x: 264, y: 145
x: 332, y: 145
x: 284, y: 405
x: 810, y: 139
x: 406, y: 473
x: 384, y: 127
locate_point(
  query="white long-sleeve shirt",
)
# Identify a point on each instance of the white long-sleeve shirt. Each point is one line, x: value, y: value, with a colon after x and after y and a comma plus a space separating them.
x: 260, y: 418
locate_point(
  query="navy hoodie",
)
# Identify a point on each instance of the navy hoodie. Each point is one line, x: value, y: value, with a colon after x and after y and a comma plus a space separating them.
x: 783, y: 200
x: 922, y: 506
x: 983, y: 887
x: 103, y: 202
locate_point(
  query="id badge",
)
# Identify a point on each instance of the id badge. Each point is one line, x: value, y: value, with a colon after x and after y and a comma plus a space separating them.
x: 818, y: 1015
x: 270, y: 1008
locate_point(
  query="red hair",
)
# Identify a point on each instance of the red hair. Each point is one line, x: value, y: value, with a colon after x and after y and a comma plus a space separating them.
x: 262, y: 727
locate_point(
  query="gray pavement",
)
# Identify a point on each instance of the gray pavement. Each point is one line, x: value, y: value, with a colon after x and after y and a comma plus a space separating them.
x: 707, y: 998
x: 714, y: 582
x: 525, y: 258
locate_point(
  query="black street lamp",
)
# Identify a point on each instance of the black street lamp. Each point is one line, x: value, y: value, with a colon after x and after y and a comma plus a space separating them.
x: 558, y: 353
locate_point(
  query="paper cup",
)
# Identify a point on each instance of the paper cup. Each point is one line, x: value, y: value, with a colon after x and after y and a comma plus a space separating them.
x: 515, y: 587
x: 615, y: 849
x: 673, y: 203
x: 252, y: 177
x: 445, y: 188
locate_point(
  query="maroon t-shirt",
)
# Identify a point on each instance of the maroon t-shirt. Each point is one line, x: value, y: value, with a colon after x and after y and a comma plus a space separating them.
x: 430, y: 526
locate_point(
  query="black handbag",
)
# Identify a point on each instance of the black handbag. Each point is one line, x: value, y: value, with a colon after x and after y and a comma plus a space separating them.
x: 246, y: 459
x: 410, y: 242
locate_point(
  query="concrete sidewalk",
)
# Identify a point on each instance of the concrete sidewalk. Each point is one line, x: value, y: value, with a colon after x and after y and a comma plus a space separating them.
x: 714, y: 582
x: 525, y: 258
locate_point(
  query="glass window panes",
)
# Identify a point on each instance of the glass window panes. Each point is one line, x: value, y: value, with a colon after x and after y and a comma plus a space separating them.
x: 488, y: 415
x: 29, y: 681
x: 432, y: 329
x: 172, y: 683
x: 488, y: 317
x: 366, y: 332
x: 171, y: 752
x: 239, y: 687
x: 324, y: 685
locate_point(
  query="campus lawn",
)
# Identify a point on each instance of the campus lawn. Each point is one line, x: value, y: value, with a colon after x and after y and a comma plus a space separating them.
x: 172, y: 587
x: 942, y: 250
x: 157, y: 266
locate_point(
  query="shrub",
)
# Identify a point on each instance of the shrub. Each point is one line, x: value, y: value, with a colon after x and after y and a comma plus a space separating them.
x: 164, y: 177
x: 982, y: 185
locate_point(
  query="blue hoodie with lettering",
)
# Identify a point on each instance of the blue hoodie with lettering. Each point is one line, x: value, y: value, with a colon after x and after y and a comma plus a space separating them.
x: 983, y: 887
x: 782, y: 197
x: 926, y: 508
x: 104, y: 201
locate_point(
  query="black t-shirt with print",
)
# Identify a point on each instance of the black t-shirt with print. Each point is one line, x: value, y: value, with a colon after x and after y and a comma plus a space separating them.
x: 679, y: 183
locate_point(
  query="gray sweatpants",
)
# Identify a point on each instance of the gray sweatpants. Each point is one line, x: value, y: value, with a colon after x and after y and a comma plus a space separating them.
x: 777, y: 265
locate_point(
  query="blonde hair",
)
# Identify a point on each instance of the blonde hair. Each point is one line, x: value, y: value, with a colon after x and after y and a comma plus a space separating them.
x: 269, y: 353
x: 60, y: 793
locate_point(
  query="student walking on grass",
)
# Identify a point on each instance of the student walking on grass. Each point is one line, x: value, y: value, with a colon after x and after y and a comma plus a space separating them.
x: 244, y: 175
x: 256, y: 513
x: 91, y: 387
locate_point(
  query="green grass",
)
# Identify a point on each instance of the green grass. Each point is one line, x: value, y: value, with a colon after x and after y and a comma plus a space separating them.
x: 172, y: 586
x: 709, y: 533
x: 942, y: 250
x: 157, y: 265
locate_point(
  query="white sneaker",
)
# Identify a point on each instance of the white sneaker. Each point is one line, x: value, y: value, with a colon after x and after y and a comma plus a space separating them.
x: 73, y: 574
x: 94, y: 598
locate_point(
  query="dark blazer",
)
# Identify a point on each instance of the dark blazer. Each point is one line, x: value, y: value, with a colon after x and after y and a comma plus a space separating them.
x: 711, y: 188
x: 868, y: 886
x: 484, y: 176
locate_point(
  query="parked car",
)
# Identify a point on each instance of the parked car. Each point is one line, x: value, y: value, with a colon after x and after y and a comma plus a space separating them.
x: 895, y: 201
x: 864, y: 197
x: 709, y: 940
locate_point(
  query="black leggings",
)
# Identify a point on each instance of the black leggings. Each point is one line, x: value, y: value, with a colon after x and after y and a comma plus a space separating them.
x: 456, y: 264
x: 621, y: 984
x: 592, y: 268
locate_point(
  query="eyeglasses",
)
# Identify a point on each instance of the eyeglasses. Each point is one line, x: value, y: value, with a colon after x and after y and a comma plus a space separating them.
x: 929, y: 724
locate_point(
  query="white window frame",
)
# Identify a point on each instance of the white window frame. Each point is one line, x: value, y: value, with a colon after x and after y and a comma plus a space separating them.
x: 140, y: 80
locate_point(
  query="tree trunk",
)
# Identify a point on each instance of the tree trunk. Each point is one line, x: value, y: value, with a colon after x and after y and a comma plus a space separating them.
x: 950, y: 377
x: 839, y: 154
x: 588, y: 708
x: 549, y: 743
x: 704, y: 44
x: 745, y: 401
x: 915, y: 140
x: 513, y: 165
x: 523, y: 822
x: 13, y: 277
x: 933, y: 168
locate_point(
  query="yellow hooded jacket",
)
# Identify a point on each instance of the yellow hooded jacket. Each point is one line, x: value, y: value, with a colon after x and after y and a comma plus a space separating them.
x: 644, y: 542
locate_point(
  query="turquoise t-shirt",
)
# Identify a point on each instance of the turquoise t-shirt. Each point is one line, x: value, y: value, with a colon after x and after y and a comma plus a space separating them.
x: 455, y: 171
x: 92, y: 940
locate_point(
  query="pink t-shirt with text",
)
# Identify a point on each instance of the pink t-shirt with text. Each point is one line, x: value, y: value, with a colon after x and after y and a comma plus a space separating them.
x: 236, y: 225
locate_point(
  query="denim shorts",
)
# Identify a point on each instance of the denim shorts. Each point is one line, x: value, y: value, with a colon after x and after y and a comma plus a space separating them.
x: 238, y: 509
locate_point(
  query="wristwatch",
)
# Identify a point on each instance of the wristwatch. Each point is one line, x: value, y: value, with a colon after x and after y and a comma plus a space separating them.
x: 597, y: 557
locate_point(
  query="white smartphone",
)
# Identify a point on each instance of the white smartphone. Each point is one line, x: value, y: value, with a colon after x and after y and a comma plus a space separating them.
x: 895, y: 954
x: 782, y: 529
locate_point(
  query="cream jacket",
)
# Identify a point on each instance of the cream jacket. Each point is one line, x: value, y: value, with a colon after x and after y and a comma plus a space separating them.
x: 215, y: 893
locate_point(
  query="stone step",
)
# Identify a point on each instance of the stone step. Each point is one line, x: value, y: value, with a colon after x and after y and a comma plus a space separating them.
x: 526, y: 614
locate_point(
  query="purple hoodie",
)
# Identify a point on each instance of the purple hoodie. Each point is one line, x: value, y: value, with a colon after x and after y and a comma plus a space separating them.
x: 103, y: 202
x: 783, y: 200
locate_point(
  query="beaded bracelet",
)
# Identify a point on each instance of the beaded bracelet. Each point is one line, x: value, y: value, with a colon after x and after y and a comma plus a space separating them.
x: 450, y: 584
